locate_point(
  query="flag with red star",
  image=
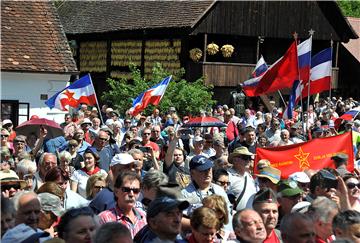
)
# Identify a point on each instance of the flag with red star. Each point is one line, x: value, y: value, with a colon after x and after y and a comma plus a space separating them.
x: 80, y: 92
x: 314, y: 154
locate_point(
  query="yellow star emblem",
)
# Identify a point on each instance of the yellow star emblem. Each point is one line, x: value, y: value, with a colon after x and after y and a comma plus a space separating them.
x: 303, y: 159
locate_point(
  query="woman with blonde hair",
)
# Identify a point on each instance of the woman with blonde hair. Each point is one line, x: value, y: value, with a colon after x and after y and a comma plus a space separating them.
x: 94, y: 185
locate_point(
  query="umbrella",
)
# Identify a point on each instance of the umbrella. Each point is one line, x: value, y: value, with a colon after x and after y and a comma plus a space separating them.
x: 206, y: 121
x: 33, y: 126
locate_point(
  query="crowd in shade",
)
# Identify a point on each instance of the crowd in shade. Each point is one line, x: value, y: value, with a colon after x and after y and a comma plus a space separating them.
x: 111, y: 177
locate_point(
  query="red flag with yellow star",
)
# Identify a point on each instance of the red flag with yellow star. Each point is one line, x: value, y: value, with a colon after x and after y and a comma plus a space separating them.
x: 314, y: 154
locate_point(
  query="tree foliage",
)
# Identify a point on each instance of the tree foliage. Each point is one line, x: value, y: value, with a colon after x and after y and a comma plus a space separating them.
x: 186, y: 97
x: 350, y: 8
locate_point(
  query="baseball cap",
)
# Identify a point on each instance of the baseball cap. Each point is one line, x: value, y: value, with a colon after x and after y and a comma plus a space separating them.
x: 200, y: 163
x: 301, y: 207
x: 265, y: 195
x: 270, y: 173
x: 300, y: 176
x: 51, y: 202
x: 198, y: 139
x: 122, y: 159
x: 165, y: 204
x: 24, y: 234
x: 288, y: 188
x: 7, y: 122
x: 340, y: 157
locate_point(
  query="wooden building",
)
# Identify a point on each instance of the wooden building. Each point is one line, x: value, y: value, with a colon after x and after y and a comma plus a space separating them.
x: 106, y: 36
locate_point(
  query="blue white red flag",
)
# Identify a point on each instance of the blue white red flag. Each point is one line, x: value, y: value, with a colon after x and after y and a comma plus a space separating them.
x: 80, y: 92
x: 279, y: 76
x: 151, y: 96
x: 259, y: 70
x: 288, y: 113
x: 320, y: 73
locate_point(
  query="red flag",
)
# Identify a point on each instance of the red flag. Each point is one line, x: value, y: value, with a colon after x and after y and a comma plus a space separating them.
x: 314, y: 154
x: 279, y: 76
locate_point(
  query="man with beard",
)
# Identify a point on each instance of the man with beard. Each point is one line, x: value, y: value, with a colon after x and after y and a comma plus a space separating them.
x: 126, y: 192
x: 248, y: 226
x: 266, y: 205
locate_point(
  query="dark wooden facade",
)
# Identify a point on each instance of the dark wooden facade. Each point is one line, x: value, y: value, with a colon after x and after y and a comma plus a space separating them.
x: 252, y: 27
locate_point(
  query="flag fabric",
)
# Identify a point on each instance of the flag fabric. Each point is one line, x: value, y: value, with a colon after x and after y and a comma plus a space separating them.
x: 151, y: 96
x: 279, y: 76
x: 259, y: 70
x: 304, y: 59
x: 80, y: 92
x: 314, y: 154
x: 288, y: 113
x: 320, y: 73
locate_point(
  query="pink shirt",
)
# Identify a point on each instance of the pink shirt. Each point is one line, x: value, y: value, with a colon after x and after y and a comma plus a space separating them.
x: 116, y: 215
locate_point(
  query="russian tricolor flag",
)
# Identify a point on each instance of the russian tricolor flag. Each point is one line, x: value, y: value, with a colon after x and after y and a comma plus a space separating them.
x: 80, y: 92
x: 150, y: 96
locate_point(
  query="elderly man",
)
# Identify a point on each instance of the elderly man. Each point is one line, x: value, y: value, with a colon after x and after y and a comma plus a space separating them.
x: 297, y: 227
x: 47, y: 161
x: 273, y: 133
x: 126, y: 192
x: 27, y: 206
x: 106, y: 153
x: 340, y: 162
x: 104, y: 200
x: 242, y: 185
x: 323, y: 211
x: 266, y: 204
x: 248, y: 226
x: 284, y: 139
x: 346, y: 225
x: 289, y: 194
x: 201, y: 184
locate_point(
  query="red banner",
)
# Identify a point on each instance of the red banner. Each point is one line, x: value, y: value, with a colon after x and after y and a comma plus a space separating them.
x: 314, y: 154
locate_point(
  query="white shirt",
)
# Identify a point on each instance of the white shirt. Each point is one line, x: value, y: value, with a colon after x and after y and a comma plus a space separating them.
x: 81, y: 178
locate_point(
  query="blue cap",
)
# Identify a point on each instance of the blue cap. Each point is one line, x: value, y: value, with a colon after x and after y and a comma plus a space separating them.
x: 201, y: 163
x: 165, y: 204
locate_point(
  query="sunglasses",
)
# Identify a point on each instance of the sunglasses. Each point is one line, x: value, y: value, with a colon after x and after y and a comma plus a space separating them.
x: 9, y: 186
x: 352, y: 185
x: 4, y: 136
x: 103, y: 139
x: 223, y: 183
x: 99, y: 187
x: 129, y: 189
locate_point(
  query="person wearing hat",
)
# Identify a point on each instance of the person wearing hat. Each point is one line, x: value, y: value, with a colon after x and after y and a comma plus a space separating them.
x: 295, y: 137
x: 266, y: 204
x: 268, y: 177
x: 51, y: 209
x: 289, y: 194
x: 164, y: 216
x: 340, y: 162
x: 10, y: 183
x: 104, y: 200
x: 5, y: 139
x: 303, y: 180
x: 8, y: 125
x: 220, y: 149
x: 198, y: 146
x: 85, y: 126
x: 242, y: 184
x: 201, y: 184
x: 126, y: 192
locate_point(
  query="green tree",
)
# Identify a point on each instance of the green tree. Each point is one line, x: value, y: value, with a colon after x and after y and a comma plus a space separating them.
x: 350, y: 8
x: 186, y: 97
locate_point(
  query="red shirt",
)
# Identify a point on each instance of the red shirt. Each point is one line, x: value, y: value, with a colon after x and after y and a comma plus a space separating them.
x: 272, y: 238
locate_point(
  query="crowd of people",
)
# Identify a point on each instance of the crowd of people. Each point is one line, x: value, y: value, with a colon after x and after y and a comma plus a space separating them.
x: 112, y: 178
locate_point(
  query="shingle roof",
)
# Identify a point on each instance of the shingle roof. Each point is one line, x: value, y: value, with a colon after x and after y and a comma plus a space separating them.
x: 32, y: 38
x: 80, y: 17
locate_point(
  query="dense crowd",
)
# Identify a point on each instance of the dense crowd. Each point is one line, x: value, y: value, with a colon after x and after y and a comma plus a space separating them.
x: 113, y: 178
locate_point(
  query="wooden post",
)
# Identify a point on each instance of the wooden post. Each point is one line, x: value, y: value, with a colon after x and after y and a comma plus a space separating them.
x: 205, y: 45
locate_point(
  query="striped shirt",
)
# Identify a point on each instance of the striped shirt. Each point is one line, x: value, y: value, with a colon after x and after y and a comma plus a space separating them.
x: 116, y: 215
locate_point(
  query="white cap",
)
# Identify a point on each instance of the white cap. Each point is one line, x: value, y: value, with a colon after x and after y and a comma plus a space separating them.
x: 86, y: 121
x: 6, y: 121
x: 122, y: 159
x: 301, y: 177
x: 301, y: 207
x: 109, y: 110
x: 198, y: 139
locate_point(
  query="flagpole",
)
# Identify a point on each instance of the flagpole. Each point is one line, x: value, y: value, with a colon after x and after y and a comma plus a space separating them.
x: 331, y: 43
x: 96, y: 99
x: 282, y: 98
x: 299, y: 78
x: 311, y: 32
